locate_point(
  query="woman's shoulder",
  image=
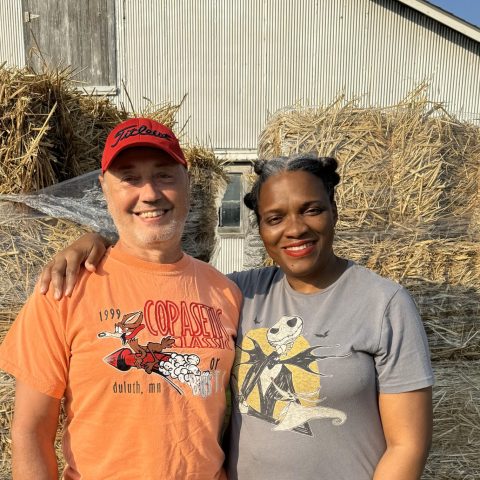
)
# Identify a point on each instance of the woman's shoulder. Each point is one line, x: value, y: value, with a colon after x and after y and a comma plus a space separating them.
x: 367, y: 280
x: 251, y: 280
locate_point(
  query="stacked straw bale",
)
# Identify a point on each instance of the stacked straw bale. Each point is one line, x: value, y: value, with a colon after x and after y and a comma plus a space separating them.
x: 409, y: 209
x: 409, y: 168
x: 208, y: 183
x: 50, y: 133
x: 6, y: 412
x: 456, y: 442
x: 27, y: 239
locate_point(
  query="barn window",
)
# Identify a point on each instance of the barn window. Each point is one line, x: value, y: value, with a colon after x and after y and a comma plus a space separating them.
x: 76, y: 34
x: 230, y: 216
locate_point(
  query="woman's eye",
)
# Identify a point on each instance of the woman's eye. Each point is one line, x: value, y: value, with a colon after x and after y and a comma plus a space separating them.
x: 273, y: 220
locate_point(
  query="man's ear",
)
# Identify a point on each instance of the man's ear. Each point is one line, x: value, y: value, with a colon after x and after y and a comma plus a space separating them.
x: 101, y: 179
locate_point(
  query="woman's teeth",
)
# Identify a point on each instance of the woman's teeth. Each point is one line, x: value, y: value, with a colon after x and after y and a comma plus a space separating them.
x: 300, y: 247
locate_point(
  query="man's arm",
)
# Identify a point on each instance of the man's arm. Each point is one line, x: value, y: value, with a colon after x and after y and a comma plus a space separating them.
x: 34, y: 427
x: 407, y: 425
x: 62, y: 271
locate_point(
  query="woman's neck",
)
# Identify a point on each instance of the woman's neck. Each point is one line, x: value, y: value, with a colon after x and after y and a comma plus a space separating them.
x: 325, y: 277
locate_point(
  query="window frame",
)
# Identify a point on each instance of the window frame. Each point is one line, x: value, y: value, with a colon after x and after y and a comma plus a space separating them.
x: 237, y: 231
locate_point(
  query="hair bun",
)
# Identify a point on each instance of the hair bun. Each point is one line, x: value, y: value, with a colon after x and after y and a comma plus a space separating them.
x: 328, y: 163
x: 248, y: 201
x: 258, y: 166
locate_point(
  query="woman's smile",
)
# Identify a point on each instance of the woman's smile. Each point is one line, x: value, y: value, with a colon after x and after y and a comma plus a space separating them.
x: 299, y: 249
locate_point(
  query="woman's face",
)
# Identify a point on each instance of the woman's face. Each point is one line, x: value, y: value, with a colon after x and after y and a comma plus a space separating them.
x: 297, y: 222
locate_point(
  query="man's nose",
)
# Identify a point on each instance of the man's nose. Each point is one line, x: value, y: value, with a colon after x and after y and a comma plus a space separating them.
x: 150, y: 191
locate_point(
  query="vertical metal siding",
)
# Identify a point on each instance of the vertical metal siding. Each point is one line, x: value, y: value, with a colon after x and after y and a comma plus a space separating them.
x: 230, y: 255
x: 12, y: 48
x: 239, y: 60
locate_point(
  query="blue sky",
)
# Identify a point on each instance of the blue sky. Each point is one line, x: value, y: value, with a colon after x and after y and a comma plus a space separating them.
x: 468, y: 10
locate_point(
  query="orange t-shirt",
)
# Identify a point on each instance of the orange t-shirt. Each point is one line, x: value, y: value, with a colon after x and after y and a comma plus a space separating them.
x: 142, y: 353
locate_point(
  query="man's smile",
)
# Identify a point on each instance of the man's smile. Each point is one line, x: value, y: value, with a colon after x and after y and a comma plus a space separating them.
x: 151, y: 213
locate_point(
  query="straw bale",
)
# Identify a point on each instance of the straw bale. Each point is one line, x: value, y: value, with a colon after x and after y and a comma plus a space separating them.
x: 456, y: 430
x: 208, y: 183
x: 164, y: 113
x: 7, y: 316
x: 357, y: 248
x: 461, y: 151
x: 409, y: 167
x: 417, y: 166
x: 451, y: 316
x: 356, y: 137
x: 27, y: 240
x: 6, y: 412
x: 449, y: 261
x: 49, y: 130
x: 444, y: 279
x: 254, y: 251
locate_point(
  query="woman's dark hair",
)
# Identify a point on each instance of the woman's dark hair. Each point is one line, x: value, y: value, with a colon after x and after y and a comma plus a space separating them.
x: 322, y: 167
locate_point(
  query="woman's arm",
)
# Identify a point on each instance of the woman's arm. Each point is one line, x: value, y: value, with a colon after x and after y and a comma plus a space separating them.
x: 33, y: 434
x: 62, y: 270
x: 407, y: 425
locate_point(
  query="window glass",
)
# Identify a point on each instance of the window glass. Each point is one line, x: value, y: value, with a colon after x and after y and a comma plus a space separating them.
x: 233, y: 188
x: 230, y: 210
x: 230, y: 215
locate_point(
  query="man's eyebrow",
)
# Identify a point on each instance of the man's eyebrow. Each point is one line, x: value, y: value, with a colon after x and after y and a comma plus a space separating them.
x: 124, y: 167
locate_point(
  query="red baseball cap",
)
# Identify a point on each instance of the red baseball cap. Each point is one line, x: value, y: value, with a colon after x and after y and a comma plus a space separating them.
x: 141, y: 132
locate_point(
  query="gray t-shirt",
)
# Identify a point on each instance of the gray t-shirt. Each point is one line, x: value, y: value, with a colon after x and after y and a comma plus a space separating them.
x: 308, y: 371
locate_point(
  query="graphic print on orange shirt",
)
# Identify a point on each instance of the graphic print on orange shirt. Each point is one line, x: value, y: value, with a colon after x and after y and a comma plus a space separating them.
x: 200, y: 329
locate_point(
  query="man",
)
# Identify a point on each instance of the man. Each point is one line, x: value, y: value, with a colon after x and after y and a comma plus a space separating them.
x: 142, y: 350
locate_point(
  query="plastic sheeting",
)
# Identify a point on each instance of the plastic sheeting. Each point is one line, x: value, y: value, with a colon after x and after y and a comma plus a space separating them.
x: 79, y: 199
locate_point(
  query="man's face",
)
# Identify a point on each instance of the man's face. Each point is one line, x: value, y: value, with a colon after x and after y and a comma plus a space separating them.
x: 147, y: 193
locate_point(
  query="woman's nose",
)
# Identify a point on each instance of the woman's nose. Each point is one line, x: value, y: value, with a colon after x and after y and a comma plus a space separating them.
x: 295, y: 226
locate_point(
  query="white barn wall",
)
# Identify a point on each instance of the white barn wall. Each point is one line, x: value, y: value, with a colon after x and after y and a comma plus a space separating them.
x: 203, y: 49
x: 239, y: 60
x: 12, y: 48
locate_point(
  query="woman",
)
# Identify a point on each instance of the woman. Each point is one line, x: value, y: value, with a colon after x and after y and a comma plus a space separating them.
x: 332, y: 375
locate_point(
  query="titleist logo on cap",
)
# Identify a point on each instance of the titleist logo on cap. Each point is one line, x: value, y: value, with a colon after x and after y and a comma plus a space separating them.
x: 133, y: 132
